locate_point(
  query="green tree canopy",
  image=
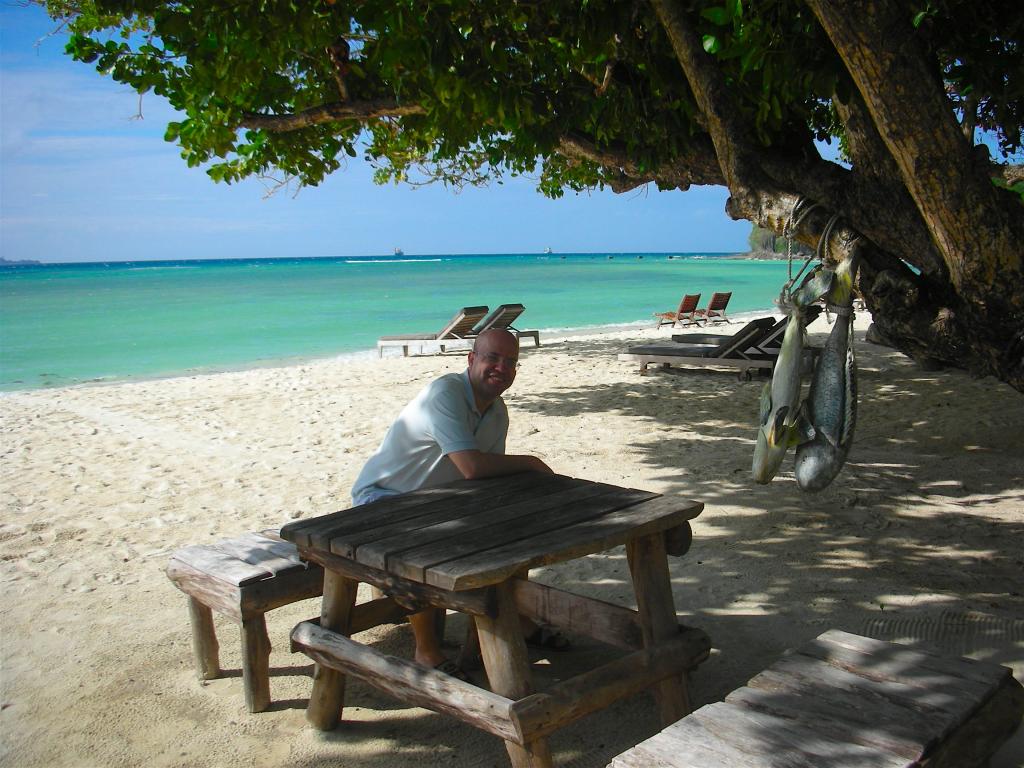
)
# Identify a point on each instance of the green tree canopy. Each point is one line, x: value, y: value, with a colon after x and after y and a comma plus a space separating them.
x: 620, y: 94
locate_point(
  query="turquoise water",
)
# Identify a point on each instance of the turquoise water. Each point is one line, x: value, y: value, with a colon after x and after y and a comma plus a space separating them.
x: 65, y: 324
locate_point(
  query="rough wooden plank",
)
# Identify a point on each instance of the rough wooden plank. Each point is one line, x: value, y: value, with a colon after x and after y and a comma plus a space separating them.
x: 688, y: 743
x: 220, y: 595
x: 583, y: 538
x: 458, y: 511
x: 786, y: 742
x: 508, y: 670
x: 985, y: 731
x: 408, y: 557
x: 865, y: 720
x: 608, y: 623
x: 261, y: 552
x: 407, y: 593
x: 567, y: 701
x: 648, y: 565
x: 205, y: 649
x: 406, y: 680
x: 256, y: 663
x: 678, y: 540
x: 880, y: 659
x: 270, y: 541
x: 328, y: 695
x: 939, y: 702
x: 404, y: 506
x: 219, y: 565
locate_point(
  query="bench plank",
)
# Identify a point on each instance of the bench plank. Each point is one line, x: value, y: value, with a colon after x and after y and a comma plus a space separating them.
x: 262, y: 552
x: 873, y: 658
x: 320, y: 530
x: 221, y: 565
x: 591, y: 535
x: 785, y: 742
x: 846, y: 701
x: 504, y: 527
x: 870, y: 721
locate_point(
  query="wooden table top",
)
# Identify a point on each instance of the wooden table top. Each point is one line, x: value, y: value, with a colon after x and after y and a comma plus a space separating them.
x: 472, y: 533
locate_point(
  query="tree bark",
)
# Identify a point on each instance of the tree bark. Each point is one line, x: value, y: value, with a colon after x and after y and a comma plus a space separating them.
x: 971, y: 221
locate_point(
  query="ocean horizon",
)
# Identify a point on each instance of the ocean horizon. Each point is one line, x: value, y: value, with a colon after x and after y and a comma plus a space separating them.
x: 63, y: 324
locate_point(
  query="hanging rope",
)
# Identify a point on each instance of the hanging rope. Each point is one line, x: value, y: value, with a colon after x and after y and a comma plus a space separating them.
x: 796, y: 217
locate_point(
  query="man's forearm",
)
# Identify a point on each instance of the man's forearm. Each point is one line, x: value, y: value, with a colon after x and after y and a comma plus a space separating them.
x: 475, y: 465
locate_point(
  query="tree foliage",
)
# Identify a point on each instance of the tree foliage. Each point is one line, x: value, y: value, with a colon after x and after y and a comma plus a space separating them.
x: 619, y: 94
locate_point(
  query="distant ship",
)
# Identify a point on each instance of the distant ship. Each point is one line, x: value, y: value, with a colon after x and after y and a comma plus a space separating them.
x: 399, y: 252
x: 548, y: 250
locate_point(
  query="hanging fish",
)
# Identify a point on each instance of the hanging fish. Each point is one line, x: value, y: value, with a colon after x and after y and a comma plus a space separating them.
x: 832, y: 402
x: 782, y: 423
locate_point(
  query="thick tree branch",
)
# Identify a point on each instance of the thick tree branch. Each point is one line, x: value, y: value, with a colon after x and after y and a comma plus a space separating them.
x: 902, y: 91
x: 330, y: 113
x: 895, y: 224
x: 699, y: 166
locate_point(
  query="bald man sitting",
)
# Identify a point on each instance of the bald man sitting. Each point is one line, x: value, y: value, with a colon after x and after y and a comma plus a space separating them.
x: 454, y: 428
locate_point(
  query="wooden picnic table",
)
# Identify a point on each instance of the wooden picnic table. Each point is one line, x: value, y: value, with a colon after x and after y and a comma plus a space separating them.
x: 467, y: 546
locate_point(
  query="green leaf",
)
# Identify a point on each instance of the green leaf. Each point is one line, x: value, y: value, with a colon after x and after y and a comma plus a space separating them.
x: 716, y: 15
x: 711, y: 44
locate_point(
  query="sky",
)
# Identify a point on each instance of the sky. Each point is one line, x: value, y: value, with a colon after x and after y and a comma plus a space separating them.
x: 82, y: 180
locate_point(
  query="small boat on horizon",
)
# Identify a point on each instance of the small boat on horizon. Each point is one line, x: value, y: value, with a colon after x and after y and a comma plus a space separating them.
x: 399, y: 252
x: 548, y: 250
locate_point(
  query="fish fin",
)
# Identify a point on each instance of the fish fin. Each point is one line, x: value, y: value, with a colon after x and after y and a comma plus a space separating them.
x: 777, y: 429
x: 805, y: 430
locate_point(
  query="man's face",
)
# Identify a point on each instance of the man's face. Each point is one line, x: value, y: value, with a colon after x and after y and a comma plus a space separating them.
x: 492, y: 365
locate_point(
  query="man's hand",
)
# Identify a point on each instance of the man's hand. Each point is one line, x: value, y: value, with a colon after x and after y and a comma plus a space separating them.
x: 475, y: 465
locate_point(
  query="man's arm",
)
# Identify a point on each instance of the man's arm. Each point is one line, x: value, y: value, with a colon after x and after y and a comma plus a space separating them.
x: 475, y: 465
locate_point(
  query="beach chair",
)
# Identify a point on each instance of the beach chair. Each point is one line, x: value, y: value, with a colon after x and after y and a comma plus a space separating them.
x: 771, y: 342
x: 459, y: 328
x: 685, y: 315
x: 502, y: 317
x: 715, y: 310
x: 739, y: 351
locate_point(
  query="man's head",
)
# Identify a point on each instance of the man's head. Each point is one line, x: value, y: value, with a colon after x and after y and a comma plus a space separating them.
x: 492, y: 365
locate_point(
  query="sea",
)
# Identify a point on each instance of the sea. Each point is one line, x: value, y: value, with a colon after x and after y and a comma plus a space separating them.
x: 68, y: 324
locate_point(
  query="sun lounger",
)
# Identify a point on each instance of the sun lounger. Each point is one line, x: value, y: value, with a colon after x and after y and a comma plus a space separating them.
x: 732, y: 352
x: 715, y: 310
x: 503, y: 317
x: 459, y: 328
x: 685, y: 315
x: 771, y: 341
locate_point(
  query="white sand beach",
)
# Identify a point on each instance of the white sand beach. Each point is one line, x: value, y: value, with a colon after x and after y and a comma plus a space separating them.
x: 919, y: 539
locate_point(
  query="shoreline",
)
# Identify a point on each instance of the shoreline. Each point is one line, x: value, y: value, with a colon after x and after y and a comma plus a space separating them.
x: 551, y: 335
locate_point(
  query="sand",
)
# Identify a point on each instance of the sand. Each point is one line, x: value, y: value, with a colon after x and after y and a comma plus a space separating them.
x: 918, y: 539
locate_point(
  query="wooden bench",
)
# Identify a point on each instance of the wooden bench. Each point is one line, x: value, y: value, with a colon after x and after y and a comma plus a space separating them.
x: 241, y: 578
x: 846, y: 701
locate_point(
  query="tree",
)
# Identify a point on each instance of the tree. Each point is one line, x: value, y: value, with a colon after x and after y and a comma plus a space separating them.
x: 620, y: 94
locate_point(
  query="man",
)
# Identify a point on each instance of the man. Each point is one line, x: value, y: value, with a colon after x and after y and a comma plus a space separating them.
x: 454, y: 428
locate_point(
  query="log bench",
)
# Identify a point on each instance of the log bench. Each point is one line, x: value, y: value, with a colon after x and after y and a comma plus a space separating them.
x: 241, y: 578
x: 847, y: 701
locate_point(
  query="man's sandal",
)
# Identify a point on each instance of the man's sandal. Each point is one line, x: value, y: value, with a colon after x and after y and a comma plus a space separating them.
x: 548, y: 638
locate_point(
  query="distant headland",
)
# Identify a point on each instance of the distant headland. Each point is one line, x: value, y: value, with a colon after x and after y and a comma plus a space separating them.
x: 18, y: 262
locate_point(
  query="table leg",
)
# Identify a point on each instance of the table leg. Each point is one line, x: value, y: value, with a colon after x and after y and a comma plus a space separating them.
x: 648, y: 566
x: 508, y: 670
x: 328, y: 696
